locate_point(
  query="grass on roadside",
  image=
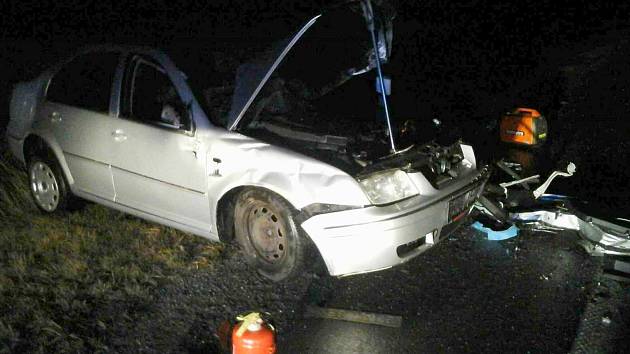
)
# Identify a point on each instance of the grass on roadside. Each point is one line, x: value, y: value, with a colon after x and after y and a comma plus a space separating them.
x: 67, y: 281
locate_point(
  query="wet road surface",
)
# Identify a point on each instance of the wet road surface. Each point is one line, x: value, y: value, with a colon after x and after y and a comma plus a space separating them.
x: 466, y: 294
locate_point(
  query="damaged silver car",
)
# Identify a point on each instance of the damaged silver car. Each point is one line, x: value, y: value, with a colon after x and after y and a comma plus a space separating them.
x: 303, y: 153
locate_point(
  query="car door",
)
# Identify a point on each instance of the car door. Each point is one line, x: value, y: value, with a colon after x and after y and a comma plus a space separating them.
x: 157, y: 164
x: 76, y: 110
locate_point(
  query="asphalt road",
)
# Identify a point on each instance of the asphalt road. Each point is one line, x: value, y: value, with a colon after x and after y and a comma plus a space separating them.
x: 467, y: 294
x: 538, y: 292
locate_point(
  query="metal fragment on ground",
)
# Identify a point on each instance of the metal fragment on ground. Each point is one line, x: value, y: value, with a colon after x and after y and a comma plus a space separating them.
x: 608, y: 238
x: 354, y: 316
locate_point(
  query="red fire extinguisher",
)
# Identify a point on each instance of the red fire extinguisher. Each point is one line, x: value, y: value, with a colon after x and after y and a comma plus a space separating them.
x: 253, y: 336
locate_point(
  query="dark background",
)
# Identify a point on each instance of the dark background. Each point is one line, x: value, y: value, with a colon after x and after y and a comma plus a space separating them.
x: 464, y: 62
x: 448, y: 55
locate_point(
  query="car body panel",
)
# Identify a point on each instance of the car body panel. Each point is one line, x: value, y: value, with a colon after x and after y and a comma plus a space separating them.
x: 374, y: 233
x: 299, y: 179
x: 363, y: 247
x: 171, y: 171
x: 177, y: 224
x: 82, y: 136
x: 169, y: 162
x: 24, y: 102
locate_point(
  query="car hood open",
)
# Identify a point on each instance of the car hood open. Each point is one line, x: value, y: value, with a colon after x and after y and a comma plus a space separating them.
x: 252, y: 76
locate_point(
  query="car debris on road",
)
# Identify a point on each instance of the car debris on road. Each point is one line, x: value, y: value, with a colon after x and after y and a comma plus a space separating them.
x: 523, y: 209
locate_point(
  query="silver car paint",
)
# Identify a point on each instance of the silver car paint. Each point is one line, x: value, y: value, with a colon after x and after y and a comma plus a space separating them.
x: 367, y: 239
x: 173, y: 178
x: 244, y: 160
x: 76, y: 130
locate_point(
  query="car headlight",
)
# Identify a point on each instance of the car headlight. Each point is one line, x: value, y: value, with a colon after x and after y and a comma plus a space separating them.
x: 388, y: 186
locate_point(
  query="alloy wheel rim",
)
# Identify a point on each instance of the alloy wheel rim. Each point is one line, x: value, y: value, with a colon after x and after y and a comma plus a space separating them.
x: 266, y: 232
x: 44, y: 186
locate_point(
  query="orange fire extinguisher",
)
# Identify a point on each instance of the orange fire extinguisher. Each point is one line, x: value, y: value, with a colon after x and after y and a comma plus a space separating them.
x: 253, y: 336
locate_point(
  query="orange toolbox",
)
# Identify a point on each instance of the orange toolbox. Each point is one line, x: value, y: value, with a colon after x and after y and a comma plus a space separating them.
x: 523, y: 126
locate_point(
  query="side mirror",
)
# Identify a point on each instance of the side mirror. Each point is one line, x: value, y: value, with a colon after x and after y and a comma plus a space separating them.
x: 185, y: 112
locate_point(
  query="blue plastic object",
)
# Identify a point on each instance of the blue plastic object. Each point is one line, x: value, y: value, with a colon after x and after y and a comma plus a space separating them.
x: 510, y: 232
x: 552, y: 197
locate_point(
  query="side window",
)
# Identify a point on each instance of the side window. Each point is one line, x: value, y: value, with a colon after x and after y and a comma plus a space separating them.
x: 153, y: 97
x: 85, y: 82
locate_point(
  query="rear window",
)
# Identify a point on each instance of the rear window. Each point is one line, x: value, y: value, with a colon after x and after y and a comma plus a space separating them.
x: 85, y: 82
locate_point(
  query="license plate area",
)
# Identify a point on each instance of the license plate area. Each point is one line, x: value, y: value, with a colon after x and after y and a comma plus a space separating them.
x: 458, y: 206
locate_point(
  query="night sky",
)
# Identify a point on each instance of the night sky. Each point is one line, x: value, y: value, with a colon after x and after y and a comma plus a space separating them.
x: 448, y: 56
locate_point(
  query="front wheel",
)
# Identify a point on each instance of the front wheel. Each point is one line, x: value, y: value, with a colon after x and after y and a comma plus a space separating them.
x: 265, y: 228
x: 47, y: 185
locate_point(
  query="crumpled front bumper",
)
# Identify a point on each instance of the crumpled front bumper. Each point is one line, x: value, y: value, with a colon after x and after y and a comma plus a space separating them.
x: 374, y: 238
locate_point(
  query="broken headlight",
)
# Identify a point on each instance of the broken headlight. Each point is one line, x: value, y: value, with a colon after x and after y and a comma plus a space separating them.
x: 388, y: 186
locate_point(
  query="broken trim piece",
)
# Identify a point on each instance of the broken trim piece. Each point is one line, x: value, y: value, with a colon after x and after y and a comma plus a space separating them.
x: 608, y: 238
x: 493, y: 235
x: 543, y: 187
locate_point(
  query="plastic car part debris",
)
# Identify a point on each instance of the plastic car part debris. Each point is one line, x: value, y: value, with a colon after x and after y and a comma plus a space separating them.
x: 543, y: 187
x: 622, y: 266
x: 552, y: 213
x: 489, y: 207
x: 532, y: 179
x: 507, y: 167
x: 513, y: 165
x: 525, y: 198
x: 552, y: 197
x: 617, y: 268
x: 502, y: 187
x: 493, y: 235
x: 605, y: 237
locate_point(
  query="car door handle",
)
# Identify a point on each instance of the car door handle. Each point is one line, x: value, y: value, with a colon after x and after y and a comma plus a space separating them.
x: 119, y: 135
x: 55, y: 117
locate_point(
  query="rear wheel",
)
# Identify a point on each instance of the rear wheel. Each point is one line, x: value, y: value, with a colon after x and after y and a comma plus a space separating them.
x: 265, y: 228
x: 47, y: 185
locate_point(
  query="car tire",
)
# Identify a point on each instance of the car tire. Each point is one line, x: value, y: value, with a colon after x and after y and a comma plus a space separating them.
x: 48, y: 185
x: 268, y: 235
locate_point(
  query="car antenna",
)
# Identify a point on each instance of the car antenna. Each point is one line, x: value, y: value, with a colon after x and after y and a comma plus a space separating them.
x: 369, y: 16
